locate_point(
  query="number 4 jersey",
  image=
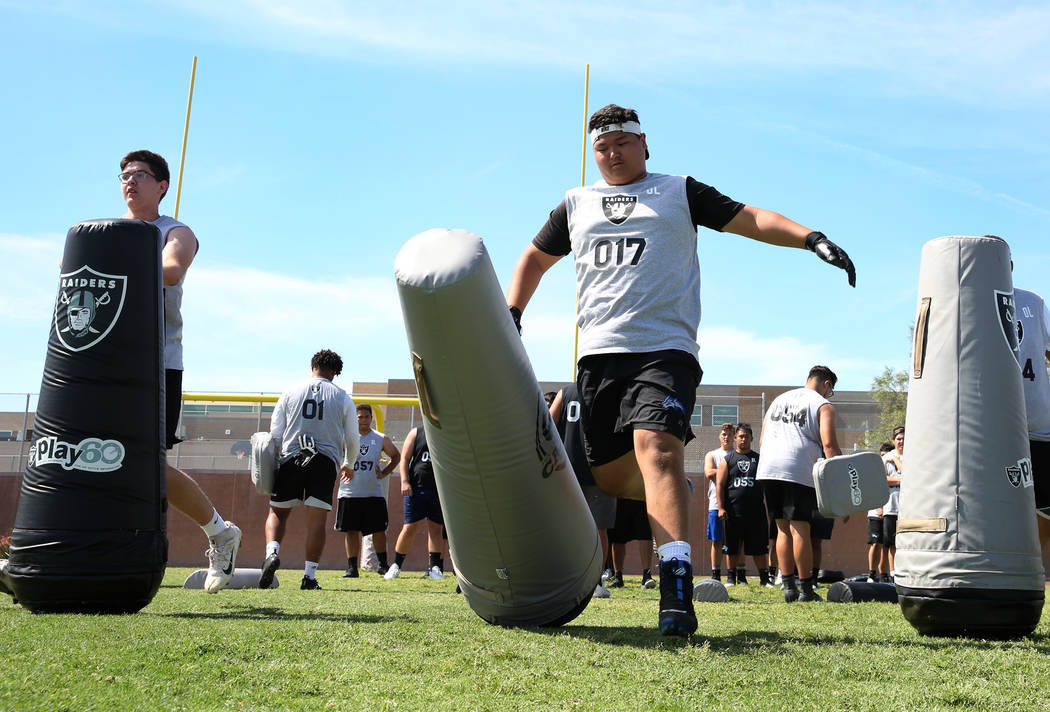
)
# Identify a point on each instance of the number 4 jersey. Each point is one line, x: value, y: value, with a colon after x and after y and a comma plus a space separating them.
x: 637, y: 270
x: 1033, y: 335
x: 318, y: 408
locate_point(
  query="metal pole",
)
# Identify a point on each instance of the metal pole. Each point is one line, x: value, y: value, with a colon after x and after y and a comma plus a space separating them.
x: 25, y: 426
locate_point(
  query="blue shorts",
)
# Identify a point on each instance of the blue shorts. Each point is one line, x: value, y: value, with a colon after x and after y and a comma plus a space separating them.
x: 423, y: 504
x: 714, y: 526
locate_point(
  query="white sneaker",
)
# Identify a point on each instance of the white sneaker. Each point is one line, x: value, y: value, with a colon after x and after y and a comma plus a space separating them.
x: 222, y: 558
x: 601, y: 591
x: 392, y: 572
x: 435, y: 573
x: 779, y: 580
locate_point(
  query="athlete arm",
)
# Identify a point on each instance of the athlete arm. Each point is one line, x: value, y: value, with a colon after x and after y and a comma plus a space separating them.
x: 277, y: 422
x: 722, y: 488
x: 556, y: 405
x: 828, y: 437
x: 710, y: 469
x: 775, y: 229
x: 178, y: 254
x: 407, y: 450
x: 395, y: 456
x: 351, y: 440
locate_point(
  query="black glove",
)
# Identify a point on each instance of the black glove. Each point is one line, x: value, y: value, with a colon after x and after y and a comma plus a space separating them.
x: 515, y: 314
x: 832, y: 254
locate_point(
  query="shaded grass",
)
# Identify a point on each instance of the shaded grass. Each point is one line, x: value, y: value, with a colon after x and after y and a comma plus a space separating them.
x: 411, y: 643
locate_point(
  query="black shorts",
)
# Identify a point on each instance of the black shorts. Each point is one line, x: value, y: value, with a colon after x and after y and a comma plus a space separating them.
x: 1041, y: 475
x: 889, y: 530
x: 874, y: 530
x: 367, y: 515
x: 311, y: 485
x: 820, y: 526
x: 624, y: 391
x: 632, y: 522
x: 172, y: 406
x: 423, y: 504
x: 790, y: 500
x: 747, y: 531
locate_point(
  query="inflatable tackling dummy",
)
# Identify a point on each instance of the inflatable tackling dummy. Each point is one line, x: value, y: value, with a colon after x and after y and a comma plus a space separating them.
x: 89, y: 533
x: 522, y: 539
x: 968, y: 560
x: 862, y: 592
x: 848, y: 484
x: 263, y: 462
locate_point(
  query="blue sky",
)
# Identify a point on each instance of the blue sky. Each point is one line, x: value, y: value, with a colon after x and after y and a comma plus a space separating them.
x: 325, y: 134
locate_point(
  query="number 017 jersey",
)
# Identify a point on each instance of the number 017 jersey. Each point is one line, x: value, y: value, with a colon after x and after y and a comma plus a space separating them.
x: 637, y: 270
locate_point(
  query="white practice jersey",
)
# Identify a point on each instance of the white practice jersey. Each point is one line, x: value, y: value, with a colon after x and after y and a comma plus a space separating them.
x: 366, y: 469
x: 172, y: 303
x: 892, y: 505
x: 791, y: 442
x: 324, y: 411
x: 1033, y: 335
x: 718, y: 455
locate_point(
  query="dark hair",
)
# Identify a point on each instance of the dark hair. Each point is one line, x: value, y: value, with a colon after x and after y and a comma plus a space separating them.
x: 885, y: 448
x: 157, y: 165
x: 899, y: 430
x: 823, y: 373
x: 325, y: 360
x: 613, y: 114
x: 746, y: 427
x: 365, y: 406
x: 549, y: 396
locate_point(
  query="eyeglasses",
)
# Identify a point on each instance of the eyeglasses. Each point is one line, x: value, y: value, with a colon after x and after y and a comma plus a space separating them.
x: 137, y: 175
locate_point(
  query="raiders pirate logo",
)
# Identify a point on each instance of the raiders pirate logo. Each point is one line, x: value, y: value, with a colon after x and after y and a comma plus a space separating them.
x: 1020, y: 333
x: 1021, y: 474
x: 618, y: 208
x: 88, y: 306
x: 744, y: 466
x: 1004, y: 303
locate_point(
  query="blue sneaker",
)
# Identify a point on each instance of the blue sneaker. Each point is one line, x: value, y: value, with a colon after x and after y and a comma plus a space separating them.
x: 676, y: 598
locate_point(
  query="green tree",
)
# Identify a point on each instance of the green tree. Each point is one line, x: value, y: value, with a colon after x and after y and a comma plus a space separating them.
x: 890, y: 391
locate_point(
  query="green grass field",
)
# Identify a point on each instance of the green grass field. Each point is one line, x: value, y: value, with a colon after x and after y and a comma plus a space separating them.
x: 411, y: 643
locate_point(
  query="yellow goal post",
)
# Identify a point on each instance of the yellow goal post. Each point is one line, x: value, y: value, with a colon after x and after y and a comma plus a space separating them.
x: 372, y: 400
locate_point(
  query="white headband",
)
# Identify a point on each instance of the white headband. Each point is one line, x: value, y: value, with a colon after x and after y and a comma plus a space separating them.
x: 627, y: 127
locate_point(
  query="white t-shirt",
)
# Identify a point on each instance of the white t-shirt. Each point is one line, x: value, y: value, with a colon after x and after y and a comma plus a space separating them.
x: 366, y: 469
x: 892, y: 505
x: 791, y: 437
x: 324, y: 411
x: 718, y: 455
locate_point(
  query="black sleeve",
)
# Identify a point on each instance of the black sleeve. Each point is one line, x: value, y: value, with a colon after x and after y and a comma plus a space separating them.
x: 553, y: 237
x: 708, y: 207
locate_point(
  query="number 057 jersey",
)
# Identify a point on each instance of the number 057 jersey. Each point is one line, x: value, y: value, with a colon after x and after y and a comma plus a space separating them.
x: 318, y: 408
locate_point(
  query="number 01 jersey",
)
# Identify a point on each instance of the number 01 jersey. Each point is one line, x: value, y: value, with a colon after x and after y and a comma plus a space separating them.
x: 637, y: 270
x: 1033, y: 335
x: 318, y: 408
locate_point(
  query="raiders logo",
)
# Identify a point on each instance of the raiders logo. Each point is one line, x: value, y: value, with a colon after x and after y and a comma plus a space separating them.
x: 88, y: 306
x: 1004, y: 302
x: 744, y: 466
x: 1021, y: 474
x: 618, y: 208
x: 1020, y: 333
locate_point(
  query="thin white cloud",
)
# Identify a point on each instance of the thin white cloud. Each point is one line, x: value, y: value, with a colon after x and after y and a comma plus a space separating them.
x: 29, y: 273
x: 968, y: 50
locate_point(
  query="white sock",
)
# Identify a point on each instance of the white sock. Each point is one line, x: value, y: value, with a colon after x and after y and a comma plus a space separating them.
x: 216, y: 526
x: 273, y: 548
x: 676, y: 550
x: 311, y: 569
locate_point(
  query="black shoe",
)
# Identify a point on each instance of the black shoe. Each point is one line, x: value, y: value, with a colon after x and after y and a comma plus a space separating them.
x: 808, y: 594
x: 616, y: 581
x: 647, y: 580
x: 790, y: 590
x: 351, y: 573
x: 269, y: 568
x: 676, y: 598
x: 381, y: 570
x: 741, y: 578
x: 730, y: 578
x: 309, y: 584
